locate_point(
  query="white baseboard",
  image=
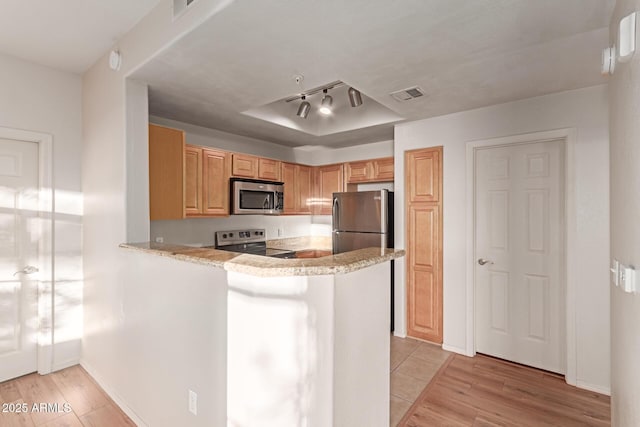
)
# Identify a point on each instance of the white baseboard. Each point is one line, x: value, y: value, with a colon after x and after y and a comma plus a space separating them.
x: 399, y: 334
x: 455, y: 349
x: 597, y: 388
x: 113, y: 395
x: 65, y: 364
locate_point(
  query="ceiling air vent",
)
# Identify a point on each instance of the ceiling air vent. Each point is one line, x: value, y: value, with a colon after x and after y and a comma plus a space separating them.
x: 407, y: 94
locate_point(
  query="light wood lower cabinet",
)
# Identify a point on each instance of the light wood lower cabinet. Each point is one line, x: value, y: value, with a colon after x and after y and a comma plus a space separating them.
x: 297, y: 181
x: 423, y: 188
x: 206, y: 182
x: 166, y: 168
x: 328, y: 180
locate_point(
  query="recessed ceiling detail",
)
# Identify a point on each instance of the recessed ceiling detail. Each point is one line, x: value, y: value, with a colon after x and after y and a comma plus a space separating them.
x: 307, y: 115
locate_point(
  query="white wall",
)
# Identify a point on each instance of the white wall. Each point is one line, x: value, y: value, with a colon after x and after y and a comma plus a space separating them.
x: 584, y: 110
x: 321, y: 155
x: 166, y: 336
x: 107, y: 148
x: 625, y: 228
x: 41, y: 99
x: 201, y: 230
x: 198, y: 135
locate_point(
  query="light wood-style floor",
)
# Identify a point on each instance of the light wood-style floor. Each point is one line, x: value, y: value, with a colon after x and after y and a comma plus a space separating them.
x: 483, y: 391
x: 90, y: 406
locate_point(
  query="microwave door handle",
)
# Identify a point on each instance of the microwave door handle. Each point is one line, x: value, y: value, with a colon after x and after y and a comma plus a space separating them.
x: 265, y: 204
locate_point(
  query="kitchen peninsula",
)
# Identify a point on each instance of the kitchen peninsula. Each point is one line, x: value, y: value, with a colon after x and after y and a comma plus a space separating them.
x: 307, y: 340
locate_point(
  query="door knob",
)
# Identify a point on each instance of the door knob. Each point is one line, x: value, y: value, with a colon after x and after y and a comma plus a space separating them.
x: 483, y: 261
x: 27, y: 270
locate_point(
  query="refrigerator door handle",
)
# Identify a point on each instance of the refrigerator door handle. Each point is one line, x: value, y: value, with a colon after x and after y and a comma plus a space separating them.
x: 336, y: 214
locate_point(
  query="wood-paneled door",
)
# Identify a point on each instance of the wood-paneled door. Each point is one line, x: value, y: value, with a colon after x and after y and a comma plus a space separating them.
x: 423, y: 194
x: 519, y: 286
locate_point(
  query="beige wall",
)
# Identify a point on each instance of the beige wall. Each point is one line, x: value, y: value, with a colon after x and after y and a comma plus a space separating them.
x: 625, y: 228
x: 44, y: 100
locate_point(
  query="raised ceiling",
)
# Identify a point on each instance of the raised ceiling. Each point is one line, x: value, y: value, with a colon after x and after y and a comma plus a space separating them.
x: 67, y: 35
x: 463, y: 54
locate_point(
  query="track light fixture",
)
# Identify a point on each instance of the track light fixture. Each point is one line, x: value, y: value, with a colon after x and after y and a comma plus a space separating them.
x: 325, y: 106
x: 303, y: 109
x: 355, y: 99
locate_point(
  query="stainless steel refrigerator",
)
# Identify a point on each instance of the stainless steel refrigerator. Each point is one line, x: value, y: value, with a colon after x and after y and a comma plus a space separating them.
x: 363, y: 219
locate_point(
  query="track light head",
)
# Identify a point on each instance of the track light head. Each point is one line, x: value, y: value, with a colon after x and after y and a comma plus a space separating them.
x: 304, y: 108
x: 325, y: 106
x: 355, y: 98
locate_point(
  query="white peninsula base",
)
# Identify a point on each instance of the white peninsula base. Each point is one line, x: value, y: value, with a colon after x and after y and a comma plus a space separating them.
x: 309, y: 350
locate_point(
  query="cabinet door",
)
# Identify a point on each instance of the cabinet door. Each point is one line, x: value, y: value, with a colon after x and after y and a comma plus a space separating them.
x: 269, y: 169
x: 166, y: 168
x: 423, y: 195
x: 383, y: 169
x: 290, y: 188
x: 359, y: 171
x: 215, y: 182
x: 245, y: 166
x: 192, y: 180
x: 423, y: 170
x: 304, y: 192
x: 329, y: 180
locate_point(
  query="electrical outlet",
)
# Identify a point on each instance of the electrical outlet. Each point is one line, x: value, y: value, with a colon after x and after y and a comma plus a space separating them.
x: 193, y: 402
x: 159, y: 239
x: 280, y: 232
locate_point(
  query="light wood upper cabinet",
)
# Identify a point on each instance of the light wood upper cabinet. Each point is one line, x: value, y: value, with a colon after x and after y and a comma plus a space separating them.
x: 206, y: 182
x: 297, y: 188
x: 247, y: 166
x: 328, y: 180
x: 375, y: 170
x: 423, y: 170
x: 215, y: 182
x: 244, y: 166
x: 166, y: 151
x: 269, y: 169
x: 192, y: 180
x: 383, y: 169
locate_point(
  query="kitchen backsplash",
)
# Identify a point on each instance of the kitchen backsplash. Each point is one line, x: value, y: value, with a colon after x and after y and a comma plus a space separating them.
x: 200, y: 231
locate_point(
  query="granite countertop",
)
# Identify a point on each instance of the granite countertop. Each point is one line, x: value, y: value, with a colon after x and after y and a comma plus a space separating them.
x: 256, y: 265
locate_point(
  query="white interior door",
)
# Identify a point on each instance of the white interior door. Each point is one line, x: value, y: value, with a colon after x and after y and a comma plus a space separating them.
x: 19, y: 238
x: 519, y: 269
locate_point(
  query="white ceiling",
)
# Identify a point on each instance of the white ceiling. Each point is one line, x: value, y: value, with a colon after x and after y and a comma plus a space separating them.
x: 67, y: 35
x: 464, y: 54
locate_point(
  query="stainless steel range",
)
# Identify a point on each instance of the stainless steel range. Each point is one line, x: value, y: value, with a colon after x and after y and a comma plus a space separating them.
x: 250, y: 241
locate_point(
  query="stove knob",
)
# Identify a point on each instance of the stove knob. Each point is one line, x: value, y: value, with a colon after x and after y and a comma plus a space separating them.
x: 224, y: 236
x: 230, y: 234
x: 261, y: 233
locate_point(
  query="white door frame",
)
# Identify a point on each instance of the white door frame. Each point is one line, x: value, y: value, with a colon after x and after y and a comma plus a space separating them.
x: 569, y: 137
x: 45, y: 277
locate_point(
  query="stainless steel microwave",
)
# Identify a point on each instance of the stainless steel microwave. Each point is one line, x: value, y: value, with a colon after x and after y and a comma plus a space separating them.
x: 253, y: 197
